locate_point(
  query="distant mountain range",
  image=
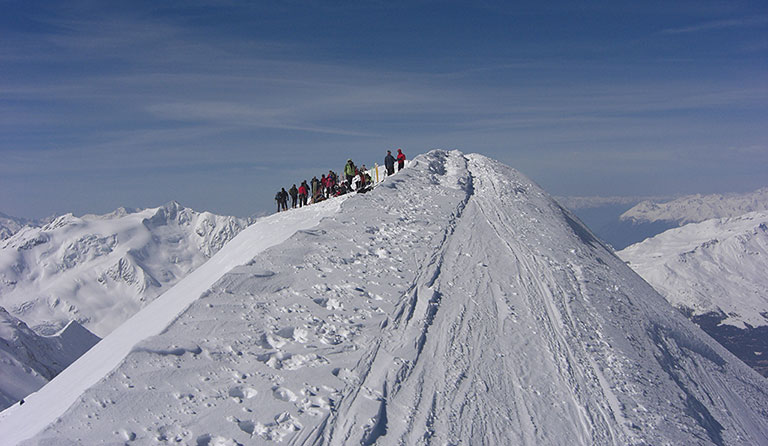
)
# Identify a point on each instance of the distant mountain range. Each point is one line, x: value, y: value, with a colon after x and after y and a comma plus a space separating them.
x: 716, y: 272
x: 90, y: 274
x: 10, y: 225
x: 697, y: 208
x: 623, y: 221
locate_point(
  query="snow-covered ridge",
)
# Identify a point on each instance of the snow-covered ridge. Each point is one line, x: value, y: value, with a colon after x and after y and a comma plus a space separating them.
x: 10, y: 225
x: 717, y: 266
x: 697, y: 208
x: 100, y: 269
x: 456, y: 303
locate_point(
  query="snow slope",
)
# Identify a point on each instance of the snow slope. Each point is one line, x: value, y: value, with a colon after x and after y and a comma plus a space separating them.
x: 720, y: 265
x: 100, y: 270
x: 715, y: 272
x: 28, y: 360
x: 41, y: 409
x: 456, y: 303
x: 697, y: 208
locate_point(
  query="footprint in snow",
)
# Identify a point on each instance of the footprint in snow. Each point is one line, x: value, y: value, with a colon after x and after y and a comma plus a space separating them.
x: 208, y: 440
x: 345, y: 375
x: 239, y: 393
x: 284, y: 394
x: 273, y: 342
x: 328, y: 303
x: 288, y: 361
x: 246, y: 426
x: 314, y: 406
x: 296, y: 334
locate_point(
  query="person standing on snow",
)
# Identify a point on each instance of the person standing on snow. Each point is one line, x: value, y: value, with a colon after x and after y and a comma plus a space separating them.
x: 389, y: 163
x: 400, y: 160
x: 330, y: 183
x: 284, y: 199
x: 349, y: 172
x: 294, y: 193
x: 323, y: 185
x: 278, y: 197
x: 303, y: 193
x: 361, y: 179
x: 315, y: 186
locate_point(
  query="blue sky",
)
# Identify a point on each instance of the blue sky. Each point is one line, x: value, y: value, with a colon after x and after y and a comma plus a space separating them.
x: 216, y: 104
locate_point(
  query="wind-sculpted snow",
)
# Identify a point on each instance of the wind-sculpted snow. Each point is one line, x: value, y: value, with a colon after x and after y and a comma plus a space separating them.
x: 456, y: 303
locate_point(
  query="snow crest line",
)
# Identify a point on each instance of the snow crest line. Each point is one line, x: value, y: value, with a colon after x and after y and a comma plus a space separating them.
x: 21, y: 422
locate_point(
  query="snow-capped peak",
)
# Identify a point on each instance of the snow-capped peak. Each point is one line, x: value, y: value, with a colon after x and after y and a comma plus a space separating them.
x: 100, y: 269
x: 10, y: 225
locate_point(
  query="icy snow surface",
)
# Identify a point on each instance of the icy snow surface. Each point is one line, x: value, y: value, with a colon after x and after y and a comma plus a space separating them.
x: 720, y: 265
x: 456, y: 303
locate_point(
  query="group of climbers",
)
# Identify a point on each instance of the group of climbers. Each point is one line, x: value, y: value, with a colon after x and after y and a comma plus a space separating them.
x: 355, y: 179
x: 389, y: 161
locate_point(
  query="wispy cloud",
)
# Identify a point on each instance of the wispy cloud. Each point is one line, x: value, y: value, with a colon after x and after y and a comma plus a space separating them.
x: 120, y: 92
x: 237, y: 114
x: 754, y: 150
x: 747, y: 22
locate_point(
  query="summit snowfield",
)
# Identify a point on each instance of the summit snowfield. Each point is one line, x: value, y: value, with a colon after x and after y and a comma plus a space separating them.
x: 456, y: 303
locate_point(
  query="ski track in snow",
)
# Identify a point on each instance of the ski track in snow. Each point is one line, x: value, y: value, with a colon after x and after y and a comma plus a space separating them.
x: 445, y: 307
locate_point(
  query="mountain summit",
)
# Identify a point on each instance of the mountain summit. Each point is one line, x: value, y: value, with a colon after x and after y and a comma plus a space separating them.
x: 456, y: 303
